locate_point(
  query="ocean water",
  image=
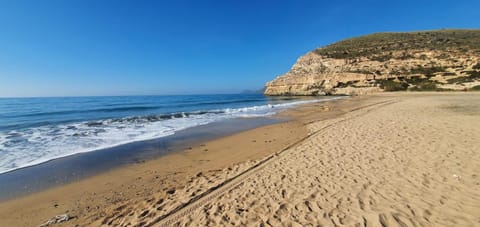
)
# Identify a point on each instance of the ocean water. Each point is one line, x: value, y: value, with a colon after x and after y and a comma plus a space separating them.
x: 35, y: 130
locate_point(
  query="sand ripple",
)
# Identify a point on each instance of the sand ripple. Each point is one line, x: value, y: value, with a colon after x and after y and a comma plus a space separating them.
x: 406, y: 160
x: 414, y: 162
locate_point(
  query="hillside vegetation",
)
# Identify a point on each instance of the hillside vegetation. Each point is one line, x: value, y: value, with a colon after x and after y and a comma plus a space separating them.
x: 440, y: 60
x: 381, y: 44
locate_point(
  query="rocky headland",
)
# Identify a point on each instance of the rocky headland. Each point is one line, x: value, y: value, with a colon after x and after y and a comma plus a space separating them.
x: 441, y: 60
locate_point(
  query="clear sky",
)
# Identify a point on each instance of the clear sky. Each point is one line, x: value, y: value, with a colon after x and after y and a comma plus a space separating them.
x: 100, y: 47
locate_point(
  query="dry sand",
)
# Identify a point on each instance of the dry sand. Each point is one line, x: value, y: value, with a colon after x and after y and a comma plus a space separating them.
x: 401, y: 159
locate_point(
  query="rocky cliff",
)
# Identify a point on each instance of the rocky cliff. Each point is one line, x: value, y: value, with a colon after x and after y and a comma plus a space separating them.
x: 430, y: 60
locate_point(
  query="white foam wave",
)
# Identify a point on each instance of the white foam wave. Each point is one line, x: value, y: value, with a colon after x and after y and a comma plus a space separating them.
x: 32, y: 146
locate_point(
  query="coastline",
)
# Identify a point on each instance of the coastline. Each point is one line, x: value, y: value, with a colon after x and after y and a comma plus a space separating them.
x: 145, y: 191
x: 72, y: 168
x: 98, y: 128
x: 186, y: 161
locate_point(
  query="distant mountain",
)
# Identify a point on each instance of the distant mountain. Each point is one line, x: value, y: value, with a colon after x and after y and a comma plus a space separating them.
x: 427, y: 60
x: 259, y: 91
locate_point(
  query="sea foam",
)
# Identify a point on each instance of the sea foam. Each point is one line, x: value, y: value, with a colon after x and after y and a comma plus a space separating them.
x: 34, y: 145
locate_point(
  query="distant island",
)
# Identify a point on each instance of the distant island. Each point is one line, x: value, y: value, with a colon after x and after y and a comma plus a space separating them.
x: 248, y: 91
x: 441, y: 60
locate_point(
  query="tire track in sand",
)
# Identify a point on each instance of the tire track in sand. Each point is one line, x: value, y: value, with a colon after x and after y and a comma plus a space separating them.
x: 202, y: 199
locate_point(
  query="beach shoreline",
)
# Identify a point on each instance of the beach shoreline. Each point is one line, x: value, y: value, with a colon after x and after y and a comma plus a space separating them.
x: 260, y: 142
x: 32, y: 133
x: 76, y: 167
x: 143, y: 192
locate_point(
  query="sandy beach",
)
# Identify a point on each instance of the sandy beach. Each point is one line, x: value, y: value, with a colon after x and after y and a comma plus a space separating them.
x: 391, y: 159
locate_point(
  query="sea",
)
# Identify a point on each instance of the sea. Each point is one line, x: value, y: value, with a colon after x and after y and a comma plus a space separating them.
x: 36, y: 130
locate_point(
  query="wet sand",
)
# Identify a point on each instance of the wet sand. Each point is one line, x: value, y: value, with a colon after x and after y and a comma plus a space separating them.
x: 76, y: 167
x: 398, y: 159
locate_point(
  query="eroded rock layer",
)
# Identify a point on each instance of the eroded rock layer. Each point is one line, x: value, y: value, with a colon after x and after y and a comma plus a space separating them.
x: 432, y: 60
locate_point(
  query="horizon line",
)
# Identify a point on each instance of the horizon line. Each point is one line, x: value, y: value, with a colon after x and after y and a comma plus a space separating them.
x: 86, y: 96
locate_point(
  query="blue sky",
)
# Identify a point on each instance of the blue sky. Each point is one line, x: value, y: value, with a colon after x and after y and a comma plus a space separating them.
x: 94, y: 47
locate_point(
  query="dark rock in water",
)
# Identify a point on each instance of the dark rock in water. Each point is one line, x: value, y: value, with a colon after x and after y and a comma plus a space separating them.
x: 178, y: 115
x: 94, y: 123
x: 79, y: 134
x: 166, y: 116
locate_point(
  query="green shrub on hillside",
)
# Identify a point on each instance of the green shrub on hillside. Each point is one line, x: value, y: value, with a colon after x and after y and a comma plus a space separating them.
x: 444, y: 89
x: 459, y: 80
x: 475, y: 88
x: 427, y: 71
x: 390, y: 85
x: 381, y: 58
x: 472, y: 76
x: 380, y: 43
x: 448, y: 74
x: 346, y: 84
x: 405, y: 56
x: 416, y: 80
x: 425, y: 86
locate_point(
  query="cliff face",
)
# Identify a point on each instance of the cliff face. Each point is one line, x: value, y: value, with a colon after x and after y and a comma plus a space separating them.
x: 434, y: 60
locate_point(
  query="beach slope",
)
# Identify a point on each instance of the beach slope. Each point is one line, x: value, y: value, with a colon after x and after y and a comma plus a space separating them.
x: 390, y: 159
x: 412, y: 160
